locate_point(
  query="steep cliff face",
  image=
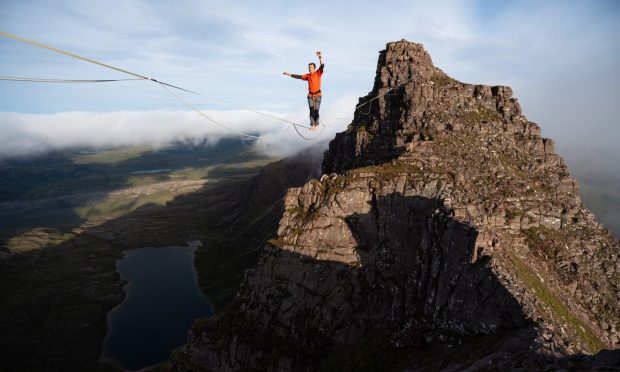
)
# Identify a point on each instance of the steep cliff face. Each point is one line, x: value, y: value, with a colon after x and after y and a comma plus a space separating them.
x: 446, y: 232
x: 243, y: 217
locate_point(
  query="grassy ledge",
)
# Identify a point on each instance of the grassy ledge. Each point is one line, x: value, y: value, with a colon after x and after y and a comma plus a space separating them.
x: 556, y: 306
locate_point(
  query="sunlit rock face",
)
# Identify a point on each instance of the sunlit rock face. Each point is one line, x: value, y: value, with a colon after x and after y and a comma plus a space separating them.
x: 443, y: 222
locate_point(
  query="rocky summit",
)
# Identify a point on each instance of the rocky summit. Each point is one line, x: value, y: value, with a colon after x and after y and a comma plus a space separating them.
x: 445, y: 234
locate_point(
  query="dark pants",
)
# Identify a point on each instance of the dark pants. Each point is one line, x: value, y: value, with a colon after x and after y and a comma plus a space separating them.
x: 314, y: 103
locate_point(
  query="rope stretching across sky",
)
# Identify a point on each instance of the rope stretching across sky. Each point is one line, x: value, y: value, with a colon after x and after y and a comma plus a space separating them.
x: 164, y: 85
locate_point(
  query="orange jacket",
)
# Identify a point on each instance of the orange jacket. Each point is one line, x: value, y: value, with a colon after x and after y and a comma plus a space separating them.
x: 314, y: 81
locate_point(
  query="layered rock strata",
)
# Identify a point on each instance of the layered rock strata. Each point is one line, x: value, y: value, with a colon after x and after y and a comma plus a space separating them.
x: 443, y: 219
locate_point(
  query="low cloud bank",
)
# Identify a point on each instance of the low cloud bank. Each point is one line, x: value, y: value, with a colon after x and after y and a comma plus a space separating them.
x: 23, y: 135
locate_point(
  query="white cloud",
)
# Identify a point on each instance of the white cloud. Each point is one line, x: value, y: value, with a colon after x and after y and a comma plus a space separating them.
x: 31, y: 134
x: 561, y: 58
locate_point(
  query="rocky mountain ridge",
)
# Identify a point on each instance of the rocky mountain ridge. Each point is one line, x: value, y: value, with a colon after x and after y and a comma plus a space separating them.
x: 443, y: 220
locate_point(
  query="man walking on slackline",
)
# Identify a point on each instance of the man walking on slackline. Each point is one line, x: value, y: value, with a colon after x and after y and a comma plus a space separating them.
x: 314, y: 89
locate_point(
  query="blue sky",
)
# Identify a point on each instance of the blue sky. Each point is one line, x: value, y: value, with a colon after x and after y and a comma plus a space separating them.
x: 560, y: 57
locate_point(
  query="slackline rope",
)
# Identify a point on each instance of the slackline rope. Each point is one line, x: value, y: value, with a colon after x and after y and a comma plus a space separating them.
x: 324, y: 125
x: 87, y: 59
x: 258, y: 112
x: 141, y: 77
x: 204, y: 115
x: 166, y: 85
x: 37, y: 80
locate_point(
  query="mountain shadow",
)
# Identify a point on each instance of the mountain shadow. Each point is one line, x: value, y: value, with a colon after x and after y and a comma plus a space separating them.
x: 407, y: 292
x: 410, y: 282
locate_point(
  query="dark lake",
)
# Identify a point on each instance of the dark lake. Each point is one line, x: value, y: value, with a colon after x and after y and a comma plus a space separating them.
x: 162, y: 300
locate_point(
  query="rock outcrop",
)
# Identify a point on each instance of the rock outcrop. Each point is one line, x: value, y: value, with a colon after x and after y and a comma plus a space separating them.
x: 444, y: 233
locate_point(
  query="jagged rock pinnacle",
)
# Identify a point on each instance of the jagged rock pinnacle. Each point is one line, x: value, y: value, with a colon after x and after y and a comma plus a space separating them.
x: 421, y: 100
x: 444, y: 221
x: 401, y: 61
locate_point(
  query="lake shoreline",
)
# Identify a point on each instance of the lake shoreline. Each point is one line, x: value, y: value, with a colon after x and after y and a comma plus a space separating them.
x: 140, y: 305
